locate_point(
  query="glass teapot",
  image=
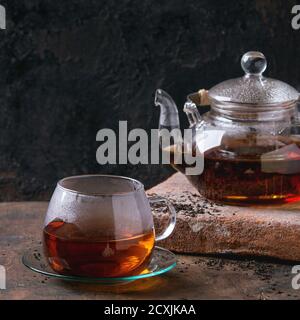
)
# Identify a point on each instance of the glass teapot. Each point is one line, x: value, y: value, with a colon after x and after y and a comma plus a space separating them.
x: 249, y: 140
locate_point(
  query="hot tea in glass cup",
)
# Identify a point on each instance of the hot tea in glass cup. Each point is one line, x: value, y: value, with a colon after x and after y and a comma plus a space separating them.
x: 101, y: 226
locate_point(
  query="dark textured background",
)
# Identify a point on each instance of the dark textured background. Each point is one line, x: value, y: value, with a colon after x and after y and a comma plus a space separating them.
x: 69, y: 68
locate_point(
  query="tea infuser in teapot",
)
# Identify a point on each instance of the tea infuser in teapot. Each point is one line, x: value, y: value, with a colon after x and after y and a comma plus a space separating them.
x: 250, y: 138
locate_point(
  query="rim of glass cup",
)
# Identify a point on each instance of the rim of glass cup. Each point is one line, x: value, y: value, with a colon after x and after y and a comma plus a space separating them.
x: 139, y: 185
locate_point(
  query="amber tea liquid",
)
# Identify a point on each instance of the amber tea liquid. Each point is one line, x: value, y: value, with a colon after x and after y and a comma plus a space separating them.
x: 234, y: 175
x: 72, y: 254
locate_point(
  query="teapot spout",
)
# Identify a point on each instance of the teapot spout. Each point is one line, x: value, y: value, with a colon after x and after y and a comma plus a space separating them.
x: 168, y: 110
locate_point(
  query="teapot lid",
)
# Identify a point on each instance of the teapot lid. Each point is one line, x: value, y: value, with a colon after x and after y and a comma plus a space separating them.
x: 253, y: 87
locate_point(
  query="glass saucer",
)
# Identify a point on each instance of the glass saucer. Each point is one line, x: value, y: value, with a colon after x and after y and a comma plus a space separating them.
x: 162, y: 261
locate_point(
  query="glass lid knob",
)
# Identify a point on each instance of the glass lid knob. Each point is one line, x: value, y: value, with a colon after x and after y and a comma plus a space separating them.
x: 254, y: 63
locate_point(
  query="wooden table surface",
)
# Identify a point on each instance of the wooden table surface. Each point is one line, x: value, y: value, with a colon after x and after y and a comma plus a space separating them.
x: 195, y: 277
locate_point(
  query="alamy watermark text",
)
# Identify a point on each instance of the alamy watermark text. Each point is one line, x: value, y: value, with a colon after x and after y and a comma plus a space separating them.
x: 2, y: 278
x: 165, y: 146
x: 296, y: 18
x: 2, y: 17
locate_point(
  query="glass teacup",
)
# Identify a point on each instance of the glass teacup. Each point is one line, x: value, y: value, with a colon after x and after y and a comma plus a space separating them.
x: 101, y: 226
